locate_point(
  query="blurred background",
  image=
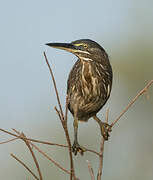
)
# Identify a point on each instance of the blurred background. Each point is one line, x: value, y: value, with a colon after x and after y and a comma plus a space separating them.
x: 27, y: 98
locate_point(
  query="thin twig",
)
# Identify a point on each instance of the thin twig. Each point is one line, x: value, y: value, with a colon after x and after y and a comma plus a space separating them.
x: 10, y: 140
x: 58, y: 113
x: 50, y: 159
x: 70, y: 153
x: 91, y: 171
x: 92, y: 151
x: 34, y: 158
x: 64, y: 124
x: 22, y: 136
x: 56, y: 91
x: 62, y: 118
x: 26, y: 167
x: 99, y: 175
x: 39, y: 141
x: 132, y: 102
x: 34, y: 140
x: 44, y: 154
x: 68, y: 139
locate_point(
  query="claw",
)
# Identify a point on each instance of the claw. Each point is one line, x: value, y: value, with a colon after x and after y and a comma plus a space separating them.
x: 105, y: 129
x: 77, y: 148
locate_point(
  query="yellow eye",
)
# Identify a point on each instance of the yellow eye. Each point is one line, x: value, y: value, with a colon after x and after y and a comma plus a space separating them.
x: 82, y: 45
x: 85, y: 46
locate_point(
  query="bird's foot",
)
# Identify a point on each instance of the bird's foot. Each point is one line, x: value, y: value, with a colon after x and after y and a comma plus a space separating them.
x: 105, y: 129
x: 77, y: 148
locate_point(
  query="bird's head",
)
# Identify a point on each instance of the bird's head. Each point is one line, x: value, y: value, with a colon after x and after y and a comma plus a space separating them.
x: 84, y: 49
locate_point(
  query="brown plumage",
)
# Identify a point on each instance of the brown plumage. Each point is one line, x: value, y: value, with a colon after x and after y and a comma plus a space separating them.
x: 88, y: 88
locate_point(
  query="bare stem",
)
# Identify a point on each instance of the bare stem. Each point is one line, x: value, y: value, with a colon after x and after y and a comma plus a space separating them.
x: 10, y: 140
x: 44, y: 154
x: 92, y: 151
x: 33, y: 140
x: 91, y: 171
x: 68, y: 138
x: 39, y: 141
x: 54, y: 82
x: 63, y: 119
x: 22, y: 136
x: 34, y: 158
x: 50, y: 159
x: 26, y: 167
x: 101, y: 154
x: 132, y: 102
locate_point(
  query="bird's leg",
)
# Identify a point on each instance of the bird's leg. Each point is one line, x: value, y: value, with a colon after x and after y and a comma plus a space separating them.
x: 104, y: 127
x: 76, y: 147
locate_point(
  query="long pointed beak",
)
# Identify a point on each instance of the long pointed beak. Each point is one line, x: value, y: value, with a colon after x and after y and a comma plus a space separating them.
x: 64, y: 46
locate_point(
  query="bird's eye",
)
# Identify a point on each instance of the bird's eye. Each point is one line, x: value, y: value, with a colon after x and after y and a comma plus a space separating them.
x: 85, y: 46
x: 82, y: 45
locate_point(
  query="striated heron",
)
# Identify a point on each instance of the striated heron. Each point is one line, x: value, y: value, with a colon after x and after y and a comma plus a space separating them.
x: 89, y: 84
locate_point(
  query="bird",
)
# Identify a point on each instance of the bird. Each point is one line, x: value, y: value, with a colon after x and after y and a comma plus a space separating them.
x: 89, y: 85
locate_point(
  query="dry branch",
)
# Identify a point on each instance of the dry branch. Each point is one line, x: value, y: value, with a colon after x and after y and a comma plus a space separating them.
x: 22, y: 136
x: 50, y: 159
x: 10, y: 140
x: 132, y: 102
x: 101, y: 154
x: 39, y: 141
x: 33, y: 140
x: 26, y: 167
x: 90, y: 171
x: 63, y: 120
x: 55, y: 87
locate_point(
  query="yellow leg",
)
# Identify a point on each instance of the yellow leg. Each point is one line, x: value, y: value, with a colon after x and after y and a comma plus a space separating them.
x: 104, y: 127
x: 76, y: 147
x: 75, y: 125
